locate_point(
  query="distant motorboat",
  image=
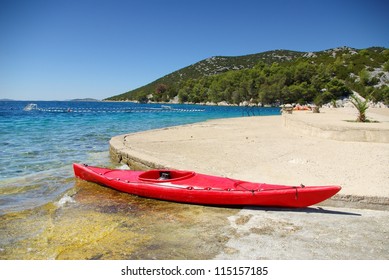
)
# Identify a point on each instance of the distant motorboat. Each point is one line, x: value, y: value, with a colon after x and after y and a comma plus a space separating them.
x: 30, y: 107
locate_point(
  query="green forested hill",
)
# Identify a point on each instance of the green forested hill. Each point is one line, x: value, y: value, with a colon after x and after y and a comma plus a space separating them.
x: 273, y: 77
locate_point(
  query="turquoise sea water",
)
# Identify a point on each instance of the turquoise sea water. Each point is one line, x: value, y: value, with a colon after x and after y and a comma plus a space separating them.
x: 38, y: 147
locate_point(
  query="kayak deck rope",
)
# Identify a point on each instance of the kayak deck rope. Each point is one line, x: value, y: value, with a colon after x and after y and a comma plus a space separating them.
x: 237, y: 183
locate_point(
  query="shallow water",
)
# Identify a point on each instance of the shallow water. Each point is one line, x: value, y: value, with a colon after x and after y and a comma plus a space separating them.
x: 46, y: 214
x: 94, y: 222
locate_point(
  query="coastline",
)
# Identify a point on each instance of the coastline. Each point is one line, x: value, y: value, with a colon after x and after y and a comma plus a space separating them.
x: 268, y: 149
x: 112, y: 225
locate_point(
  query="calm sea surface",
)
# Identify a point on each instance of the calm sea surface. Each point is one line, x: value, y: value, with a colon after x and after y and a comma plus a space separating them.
x: 37, y: 149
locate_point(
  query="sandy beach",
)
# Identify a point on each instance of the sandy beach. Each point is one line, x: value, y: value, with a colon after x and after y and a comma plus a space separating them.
x: 313, y: 149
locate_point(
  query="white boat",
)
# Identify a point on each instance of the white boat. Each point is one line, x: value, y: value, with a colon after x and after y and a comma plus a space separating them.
x: 30, y: 107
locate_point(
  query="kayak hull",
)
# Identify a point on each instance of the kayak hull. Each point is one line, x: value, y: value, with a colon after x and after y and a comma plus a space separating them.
x: 195, y: 188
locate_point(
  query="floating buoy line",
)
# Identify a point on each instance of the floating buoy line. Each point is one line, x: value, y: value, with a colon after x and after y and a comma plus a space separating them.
x: 163, y: 108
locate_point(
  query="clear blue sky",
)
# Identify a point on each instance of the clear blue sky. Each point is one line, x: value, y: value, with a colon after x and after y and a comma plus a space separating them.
x: 57, y: 50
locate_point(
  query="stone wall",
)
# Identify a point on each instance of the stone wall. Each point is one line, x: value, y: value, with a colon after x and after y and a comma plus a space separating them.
x: 119, y: 153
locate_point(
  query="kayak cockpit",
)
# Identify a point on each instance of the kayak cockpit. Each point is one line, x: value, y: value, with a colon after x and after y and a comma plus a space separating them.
x: 165, y: 175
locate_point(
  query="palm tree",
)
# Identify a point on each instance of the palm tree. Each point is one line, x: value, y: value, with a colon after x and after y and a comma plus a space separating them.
x: 361, y: 106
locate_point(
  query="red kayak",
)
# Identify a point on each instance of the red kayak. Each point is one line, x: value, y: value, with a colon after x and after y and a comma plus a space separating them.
x: 191, y: 187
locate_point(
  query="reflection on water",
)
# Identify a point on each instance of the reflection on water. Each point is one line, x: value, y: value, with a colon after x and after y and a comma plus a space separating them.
x: 94, y: 222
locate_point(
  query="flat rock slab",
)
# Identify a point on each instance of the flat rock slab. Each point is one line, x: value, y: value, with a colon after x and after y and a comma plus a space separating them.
x: 308, y: 234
